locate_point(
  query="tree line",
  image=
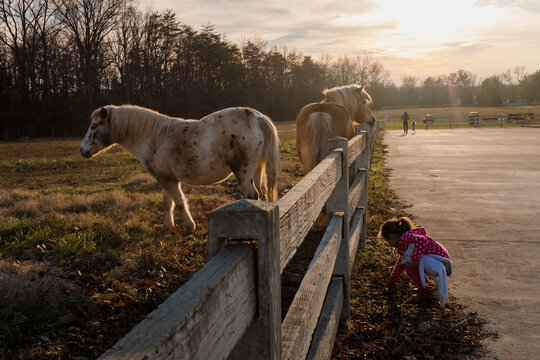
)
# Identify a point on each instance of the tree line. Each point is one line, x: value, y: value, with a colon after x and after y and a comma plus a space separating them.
x: 60, y: 59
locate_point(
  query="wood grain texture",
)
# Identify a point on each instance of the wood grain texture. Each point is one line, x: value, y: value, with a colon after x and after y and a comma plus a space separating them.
x: 339, y: 203
x: 203, y: 319
x: 300, y: 207
x: 300, y: 322
x: 256, y: 220
x: 325, y: 333
x: 356, y: 146
x: 355, y: 233
x: 355, y: 192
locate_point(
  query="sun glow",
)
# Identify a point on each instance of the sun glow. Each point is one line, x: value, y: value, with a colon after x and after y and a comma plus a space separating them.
x: 417, y: 26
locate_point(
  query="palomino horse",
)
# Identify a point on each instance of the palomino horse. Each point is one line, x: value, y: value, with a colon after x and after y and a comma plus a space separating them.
x: 242, y: 141
x: 342, y: 109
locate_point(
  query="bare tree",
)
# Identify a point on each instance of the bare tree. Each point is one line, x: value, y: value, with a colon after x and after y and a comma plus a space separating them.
x: 162, y: 31
x: 463, y: 82
x: 88, y: 23
x: 15, y: 15
x: 126, y: 47
x: 45, y: 30
x: 519, y: 72
x: 409, y: 88
x: 377, y: 76
x: 409, y: 81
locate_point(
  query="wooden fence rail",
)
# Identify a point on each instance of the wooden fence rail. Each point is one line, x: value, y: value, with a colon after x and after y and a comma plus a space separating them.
x: 231, y: 308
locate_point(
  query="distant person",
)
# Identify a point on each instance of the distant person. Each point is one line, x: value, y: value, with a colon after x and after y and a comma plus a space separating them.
x: 419, y: 253
x: 405, y: 119
x: 414, y: 127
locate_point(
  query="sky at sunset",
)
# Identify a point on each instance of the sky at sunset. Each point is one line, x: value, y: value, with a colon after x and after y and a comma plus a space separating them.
x: 416, y: 37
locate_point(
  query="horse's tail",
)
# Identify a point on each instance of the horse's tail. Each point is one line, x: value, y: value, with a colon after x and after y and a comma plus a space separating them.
x: 318, y: 128
x: 270, y: 156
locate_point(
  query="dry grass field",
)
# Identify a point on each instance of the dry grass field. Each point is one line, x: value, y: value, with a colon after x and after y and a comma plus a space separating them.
x: 83, y: 257
x: 82, y: 254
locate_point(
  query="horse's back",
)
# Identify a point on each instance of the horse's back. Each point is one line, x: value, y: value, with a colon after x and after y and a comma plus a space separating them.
x: 235, y: 115
x: 247, y: 140
x: 338, y: 113
x: 315, y: 124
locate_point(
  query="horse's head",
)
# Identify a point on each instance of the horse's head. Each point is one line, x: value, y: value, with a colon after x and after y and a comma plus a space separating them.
x: 355, y: 99
x: 365, y: 112
x: 98, y: 137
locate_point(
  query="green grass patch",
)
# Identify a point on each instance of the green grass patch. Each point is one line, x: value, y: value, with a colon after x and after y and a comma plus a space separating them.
x: 73, y: 245
x: 47, y: 237
x: 288, y: 147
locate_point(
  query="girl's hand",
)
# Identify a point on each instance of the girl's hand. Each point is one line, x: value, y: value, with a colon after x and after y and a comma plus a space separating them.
x: 406, y: 257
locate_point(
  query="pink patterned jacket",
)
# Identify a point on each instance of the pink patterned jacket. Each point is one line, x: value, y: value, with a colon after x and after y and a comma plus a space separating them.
x: 423, y: 244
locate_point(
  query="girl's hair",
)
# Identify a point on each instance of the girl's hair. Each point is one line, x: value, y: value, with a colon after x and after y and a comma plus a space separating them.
x: 395, y: 226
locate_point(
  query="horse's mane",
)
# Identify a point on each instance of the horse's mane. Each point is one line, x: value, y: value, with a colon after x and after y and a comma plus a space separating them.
x: 348, y: 97
x: 132, y: 123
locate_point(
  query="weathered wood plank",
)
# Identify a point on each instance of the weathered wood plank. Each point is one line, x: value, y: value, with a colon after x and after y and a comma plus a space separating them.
x: 259, y: 220
x: 325, y: 334
x: 355, y: 192
x: 365, y: 162
x: 356, y: 146
x: 203, y: 319
x: 339, y: 203
x: 300, y: 207
x: 301, y: 320
x: 362, y: 159
x: 355, y: 232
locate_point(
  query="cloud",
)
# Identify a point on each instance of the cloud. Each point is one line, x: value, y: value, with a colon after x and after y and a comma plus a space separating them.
x: 527, y: 5
x: 421, y: 38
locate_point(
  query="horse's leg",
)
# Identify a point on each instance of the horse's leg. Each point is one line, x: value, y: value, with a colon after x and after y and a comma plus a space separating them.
x: 245, y: 175
x: 259, y: 179
x: 168, y: 204
x: 181, y: 202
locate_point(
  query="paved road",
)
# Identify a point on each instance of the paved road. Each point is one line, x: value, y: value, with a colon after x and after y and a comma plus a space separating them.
x: 478, y: 192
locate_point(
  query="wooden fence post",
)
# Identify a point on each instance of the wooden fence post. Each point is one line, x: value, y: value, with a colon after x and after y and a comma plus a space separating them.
x: 338, y: 203
x: 250, y: 220
x: 364, y: 165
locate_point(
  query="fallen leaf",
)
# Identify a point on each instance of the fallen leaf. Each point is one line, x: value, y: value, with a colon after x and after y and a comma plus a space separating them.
x: 66, y: 319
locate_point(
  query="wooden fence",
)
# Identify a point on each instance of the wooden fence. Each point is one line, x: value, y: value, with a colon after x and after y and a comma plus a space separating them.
x: 447, y: 121
x: 231, y: 308
x: 483, y: 120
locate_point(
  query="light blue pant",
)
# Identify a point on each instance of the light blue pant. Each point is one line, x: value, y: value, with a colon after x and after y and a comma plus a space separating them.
x: 434, y: 265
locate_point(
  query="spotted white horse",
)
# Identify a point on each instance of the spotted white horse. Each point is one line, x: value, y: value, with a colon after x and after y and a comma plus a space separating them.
x: 241, y: 140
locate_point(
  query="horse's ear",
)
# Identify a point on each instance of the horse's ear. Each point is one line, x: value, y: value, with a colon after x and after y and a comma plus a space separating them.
x: 103, y: 113
x: 360, y: 89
